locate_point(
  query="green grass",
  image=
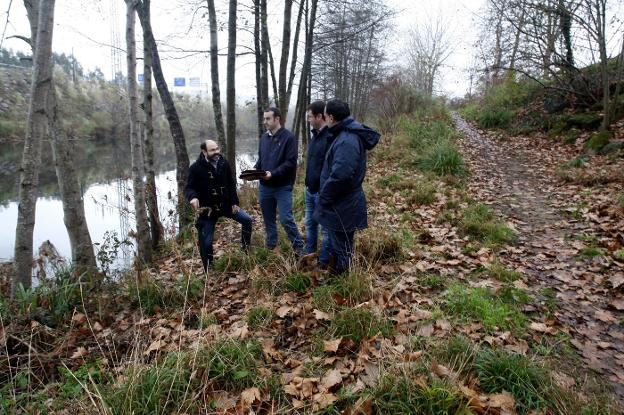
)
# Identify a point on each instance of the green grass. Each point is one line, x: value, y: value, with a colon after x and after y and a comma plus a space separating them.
x: 400, y: 393
x: 259, y: 317
x: 590, y: 252
x: 359, y: 323
x: 495, y: 118
x: 381, y: 247
x: 298, y: 281
x: 422, y: 194
x: 598, y: 140
x: 442, y: 158
x: 478, y: 221
x: 498, y: 271
x: 233, y: 262
x: 529, y: 383
x: 172, y: 384
x: 491, y: 310
x: 433, y: 282
x: 152, y: 295
x: 355, y: 287
x: 323, y: 298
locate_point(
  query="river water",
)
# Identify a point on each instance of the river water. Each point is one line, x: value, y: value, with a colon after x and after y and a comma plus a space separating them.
x: 108, y: 202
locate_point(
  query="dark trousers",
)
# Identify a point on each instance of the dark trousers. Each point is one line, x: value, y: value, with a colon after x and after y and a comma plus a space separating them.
x: 206, y: 227
x: 341, y: 248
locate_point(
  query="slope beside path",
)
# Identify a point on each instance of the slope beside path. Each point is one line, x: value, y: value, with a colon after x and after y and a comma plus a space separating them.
x: 560, y: 226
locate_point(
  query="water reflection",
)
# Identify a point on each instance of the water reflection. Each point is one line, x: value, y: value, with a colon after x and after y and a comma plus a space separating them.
x: 109, y: 211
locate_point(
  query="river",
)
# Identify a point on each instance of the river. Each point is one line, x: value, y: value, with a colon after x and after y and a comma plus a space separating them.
x: 108, y: 202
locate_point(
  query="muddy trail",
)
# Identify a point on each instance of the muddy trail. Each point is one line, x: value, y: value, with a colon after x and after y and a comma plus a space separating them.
x: 519, y: 182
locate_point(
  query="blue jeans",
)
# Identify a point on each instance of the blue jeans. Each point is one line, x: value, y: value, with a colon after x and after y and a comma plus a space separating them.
x: 271, y: 200
x: 312, y: 226
x: 341, y: 248
x: 206, y: 226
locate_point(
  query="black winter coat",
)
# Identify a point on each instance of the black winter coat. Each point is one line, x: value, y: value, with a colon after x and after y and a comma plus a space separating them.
x: 278, y: 154
x: 316, y: 157
x: 342, y: 205
x: 214, y: 188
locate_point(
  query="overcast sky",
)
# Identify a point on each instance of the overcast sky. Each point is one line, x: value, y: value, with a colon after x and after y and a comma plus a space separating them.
x: 84, y: 27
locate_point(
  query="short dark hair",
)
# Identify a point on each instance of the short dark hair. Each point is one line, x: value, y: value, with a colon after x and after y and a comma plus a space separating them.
x: 276, y: 112
x: 317, y: 108
x: 337, y: 109
x: 202, y: 146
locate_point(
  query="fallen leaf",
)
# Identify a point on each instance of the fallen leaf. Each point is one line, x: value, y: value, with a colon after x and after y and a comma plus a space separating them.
x: 97, y: 326
x: 323, y: 400
x: 332, y: 345
x: 439, y: 370
x: 503, y: 401
x: 542, y: 328
x: 425, y: 331
x: 80, y: 352
x: 283, y: 311
x: 363, y: 406
x: 249, y: 396
x: 320, y: 315
x: 618, y: 304
x: 79, y: 318
x: 605, y: 316
x: 331, y: 379
x: 155, y: 346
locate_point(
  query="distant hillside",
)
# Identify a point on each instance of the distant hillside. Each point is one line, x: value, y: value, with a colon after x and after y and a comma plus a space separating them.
x: 14, y: 93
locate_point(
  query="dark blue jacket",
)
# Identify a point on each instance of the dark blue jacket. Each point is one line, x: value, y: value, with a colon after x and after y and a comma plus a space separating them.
x: 317, y: 148
x: 278, y: 154
x: 342, y: 205
x: 214, y: 188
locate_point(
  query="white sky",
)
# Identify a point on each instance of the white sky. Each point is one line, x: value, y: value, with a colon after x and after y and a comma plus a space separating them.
x: 84, y: 27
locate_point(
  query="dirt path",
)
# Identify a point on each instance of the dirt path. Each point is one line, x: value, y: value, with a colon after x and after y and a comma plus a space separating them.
x: 522, y: 187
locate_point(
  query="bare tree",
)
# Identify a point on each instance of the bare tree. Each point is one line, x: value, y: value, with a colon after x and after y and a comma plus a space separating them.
x: 231, y: 87
x: 428, y: 48
x: 175, y: 126
x: 156, y: 227
x: 214, y: 74
x: 41, y: 85
x: 144, y: 249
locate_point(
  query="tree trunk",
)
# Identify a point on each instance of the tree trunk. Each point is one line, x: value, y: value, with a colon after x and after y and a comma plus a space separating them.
x: 281, y: 89
x: 83, y: 257
x: 156, y: 227
x: 214, y: 75
x: 293, y: 65
x: 144, y: 248
x: 266, y: 45
x: 31, y: 157
x: 231, y: 88
x: 182, y: 158
x: 259, y: 68
x: 303, y: 97
x: 601, y: 30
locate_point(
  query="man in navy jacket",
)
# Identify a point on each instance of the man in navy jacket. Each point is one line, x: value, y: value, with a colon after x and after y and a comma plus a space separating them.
x: 342, y: 205
x: 317, y: 147
x: 211, y: 185
x: 277, y: 156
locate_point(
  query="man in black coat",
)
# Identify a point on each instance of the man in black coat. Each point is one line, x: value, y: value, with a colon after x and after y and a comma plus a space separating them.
x: 317, y: 147
x: 211, y: 186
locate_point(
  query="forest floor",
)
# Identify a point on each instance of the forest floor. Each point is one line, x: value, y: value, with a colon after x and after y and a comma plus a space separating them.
x: 491, y: 287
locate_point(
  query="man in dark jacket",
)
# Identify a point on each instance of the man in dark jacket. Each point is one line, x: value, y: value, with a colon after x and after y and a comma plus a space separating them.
x: 342, y: 205
x: 211, y: 186
x: 317, y: 147
x: 277, y: 155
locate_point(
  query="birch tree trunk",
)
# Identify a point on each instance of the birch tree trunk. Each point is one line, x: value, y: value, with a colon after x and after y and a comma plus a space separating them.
x: 259, y: 67
x: 31, y: 157
x: 214, y: 75
x: 177, y: 133
x: 144, y: 249
x: 156, y: 228
x: 231, y: 88
x: 83, y: 257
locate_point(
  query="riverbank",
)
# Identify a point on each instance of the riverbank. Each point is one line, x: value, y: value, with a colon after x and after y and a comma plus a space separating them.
x: 431, y: 319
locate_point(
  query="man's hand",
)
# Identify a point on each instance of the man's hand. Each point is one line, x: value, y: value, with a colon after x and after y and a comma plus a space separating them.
x: 235, y: 209
x: 195, y: 203
x: 267, y: 175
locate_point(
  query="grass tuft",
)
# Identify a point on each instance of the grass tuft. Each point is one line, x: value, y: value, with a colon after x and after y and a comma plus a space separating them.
x: 360, y: 323
x: 479, y: 222
x: 259, y: 317
x: 500, y: 371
